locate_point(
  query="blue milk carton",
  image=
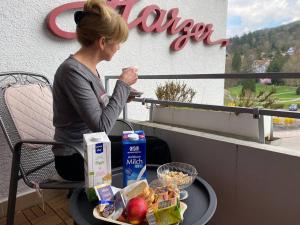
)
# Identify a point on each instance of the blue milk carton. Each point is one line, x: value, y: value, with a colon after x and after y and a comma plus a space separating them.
x: 134, y: 156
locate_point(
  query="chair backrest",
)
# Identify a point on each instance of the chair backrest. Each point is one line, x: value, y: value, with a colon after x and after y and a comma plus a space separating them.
x: 26, y: 113
x: 15, y: 79
x: 30, y: 107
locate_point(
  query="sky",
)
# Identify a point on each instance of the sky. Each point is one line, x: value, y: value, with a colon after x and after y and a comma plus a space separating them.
x: 250, y: 15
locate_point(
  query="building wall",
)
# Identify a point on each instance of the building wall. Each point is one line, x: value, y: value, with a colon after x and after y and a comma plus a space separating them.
x: 26, y: 44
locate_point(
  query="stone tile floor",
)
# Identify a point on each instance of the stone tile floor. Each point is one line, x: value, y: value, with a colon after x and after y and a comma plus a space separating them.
x: 54, y: 211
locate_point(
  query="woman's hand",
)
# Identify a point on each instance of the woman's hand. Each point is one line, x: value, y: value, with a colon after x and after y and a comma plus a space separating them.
x: 130, y: 98
x: 129, y: 75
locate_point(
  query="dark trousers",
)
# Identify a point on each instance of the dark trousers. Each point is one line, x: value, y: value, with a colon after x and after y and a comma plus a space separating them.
x: 70, y: 167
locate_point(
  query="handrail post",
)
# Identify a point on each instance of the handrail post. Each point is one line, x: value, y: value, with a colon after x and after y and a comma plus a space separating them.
x: 272, y: 130
x: 106, y: 83
x: 151, y: 112
x: 261, y: 129
x: 261, y: 125
x: 125, y: 112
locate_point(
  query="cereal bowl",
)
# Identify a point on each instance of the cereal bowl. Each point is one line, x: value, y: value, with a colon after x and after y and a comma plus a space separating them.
x: 181, y: 174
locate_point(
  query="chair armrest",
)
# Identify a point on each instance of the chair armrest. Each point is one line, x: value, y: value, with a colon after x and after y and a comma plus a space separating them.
x: 18, y: 145
x: 126, y: 122
x: 16, y: 167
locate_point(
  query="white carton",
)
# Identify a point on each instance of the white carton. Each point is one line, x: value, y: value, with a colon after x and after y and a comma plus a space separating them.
x: 97, y: 161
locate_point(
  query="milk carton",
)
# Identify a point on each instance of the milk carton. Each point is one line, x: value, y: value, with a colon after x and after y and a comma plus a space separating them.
x: 97, y: 162
x: 134, y: 156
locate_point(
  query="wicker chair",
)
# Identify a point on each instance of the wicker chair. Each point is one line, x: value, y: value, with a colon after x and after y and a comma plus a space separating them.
x: 32, y: 159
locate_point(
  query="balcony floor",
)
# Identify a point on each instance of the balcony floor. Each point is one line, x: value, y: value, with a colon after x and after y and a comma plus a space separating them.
x: 56, y: 213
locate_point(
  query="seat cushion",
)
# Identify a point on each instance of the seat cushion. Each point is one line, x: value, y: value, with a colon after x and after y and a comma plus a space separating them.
x: 30, y: 106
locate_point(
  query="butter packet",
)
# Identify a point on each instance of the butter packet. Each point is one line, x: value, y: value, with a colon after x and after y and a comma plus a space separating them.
x: 106, y: 200
x: 104, y: 192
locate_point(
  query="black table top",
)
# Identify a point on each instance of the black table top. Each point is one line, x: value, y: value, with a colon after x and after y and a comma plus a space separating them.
x: 202, y: 201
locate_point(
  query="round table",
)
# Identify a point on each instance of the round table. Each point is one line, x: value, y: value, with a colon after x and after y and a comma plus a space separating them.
x: 202, y: 201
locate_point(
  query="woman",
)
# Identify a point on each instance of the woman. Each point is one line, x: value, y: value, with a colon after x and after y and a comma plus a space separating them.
x: 80, y: 104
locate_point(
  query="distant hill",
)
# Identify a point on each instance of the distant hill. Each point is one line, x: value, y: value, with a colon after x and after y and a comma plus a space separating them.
x: 268, y: 50
x: 267, y: 40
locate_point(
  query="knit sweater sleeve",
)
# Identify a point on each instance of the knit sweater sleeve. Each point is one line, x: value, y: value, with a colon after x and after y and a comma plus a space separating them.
x: 98, y: 117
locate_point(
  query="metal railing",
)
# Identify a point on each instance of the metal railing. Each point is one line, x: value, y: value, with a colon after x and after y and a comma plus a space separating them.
x: 258, y: 113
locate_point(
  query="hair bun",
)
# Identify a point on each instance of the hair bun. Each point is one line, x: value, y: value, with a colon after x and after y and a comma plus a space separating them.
x: 98, y: 19
x: 78, y: 15
x: 96, y: 7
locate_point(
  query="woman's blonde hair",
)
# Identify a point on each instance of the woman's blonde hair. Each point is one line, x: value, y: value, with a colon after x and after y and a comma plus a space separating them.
x: 100, y: 20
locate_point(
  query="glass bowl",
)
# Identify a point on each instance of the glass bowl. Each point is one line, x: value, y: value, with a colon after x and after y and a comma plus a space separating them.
x: 181, y: 174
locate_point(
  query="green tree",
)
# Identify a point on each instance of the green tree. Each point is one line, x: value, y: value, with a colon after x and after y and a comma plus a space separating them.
x: 277, y: 63
x: 292, y: 64
x: 248, y: 85
x: 236, y: 62
x: 274, y: 66
x: 247, y: 63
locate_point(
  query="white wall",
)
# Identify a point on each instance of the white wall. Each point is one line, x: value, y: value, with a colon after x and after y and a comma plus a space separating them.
x: 26, y: 44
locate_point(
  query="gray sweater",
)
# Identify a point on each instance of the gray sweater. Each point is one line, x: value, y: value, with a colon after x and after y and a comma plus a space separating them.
x: 81, y: 105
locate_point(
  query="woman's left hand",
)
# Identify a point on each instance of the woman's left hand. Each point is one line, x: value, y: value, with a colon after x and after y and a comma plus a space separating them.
x: 130, y: 98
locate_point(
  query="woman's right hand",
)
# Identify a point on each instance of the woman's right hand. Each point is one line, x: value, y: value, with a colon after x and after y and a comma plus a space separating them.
x: 129, y: 76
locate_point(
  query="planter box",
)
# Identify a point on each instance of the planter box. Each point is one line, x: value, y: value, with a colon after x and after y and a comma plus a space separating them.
x: 225, y: 122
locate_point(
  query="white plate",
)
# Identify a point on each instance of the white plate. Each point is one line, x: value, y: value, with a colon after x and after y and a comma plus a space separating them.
x: 183, y: 207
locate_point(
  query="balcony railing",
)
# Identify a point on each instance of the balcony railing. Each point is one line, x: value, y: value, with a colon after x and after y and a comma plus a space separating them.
x: 258, y: 113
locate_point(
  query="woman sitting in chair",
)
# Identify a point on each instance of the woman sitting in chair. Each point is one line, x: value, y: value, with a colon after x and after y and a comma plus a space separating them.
x: 80, y: 104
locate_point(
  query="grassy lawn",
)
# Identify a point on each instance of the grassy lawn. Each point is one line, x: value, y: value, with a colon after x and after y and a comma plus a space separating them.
x: 285, y: 94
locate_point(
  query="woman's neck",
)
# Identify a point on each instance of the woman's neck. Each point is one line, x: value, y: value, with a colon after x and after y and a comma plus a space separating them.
x: 88, y: 57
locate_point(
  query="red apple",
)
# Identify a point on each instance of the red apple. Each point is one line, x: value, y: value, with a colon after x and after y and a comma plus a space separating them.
x: 136, y: 210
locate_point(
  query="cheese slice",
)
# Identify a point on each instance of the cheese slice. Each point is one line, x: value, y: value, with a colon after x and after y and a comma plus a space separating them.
x: 135, y: 189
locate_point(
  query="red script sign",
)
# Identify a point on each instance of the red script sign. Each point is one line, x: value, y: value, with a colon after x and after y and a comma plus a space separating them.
x: 164, y: 20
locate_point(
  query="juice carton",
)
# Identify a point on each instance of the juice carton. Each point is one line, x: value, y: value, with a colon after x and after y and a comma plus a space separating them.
x: 97, y: 162
x: 134, y: 156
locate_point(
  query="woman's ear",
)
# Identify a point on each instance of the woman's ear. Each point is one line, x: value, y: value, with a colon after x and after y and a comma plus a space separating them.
x: 101, y: 43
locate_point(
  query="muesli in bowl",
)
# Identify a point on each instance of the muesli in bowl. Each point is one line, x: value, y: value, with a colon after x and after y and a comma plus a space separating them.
x: 181, y: 174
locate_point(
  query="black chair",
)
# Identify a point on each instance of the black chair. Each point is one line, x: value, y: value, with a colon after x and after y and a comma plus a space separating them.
x: 22, y: 95
x: 32, y: 159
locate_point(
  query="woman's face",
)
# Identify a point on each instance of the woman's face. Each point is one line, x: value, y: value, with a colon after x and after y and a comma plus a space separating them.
x: 110, y: 48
